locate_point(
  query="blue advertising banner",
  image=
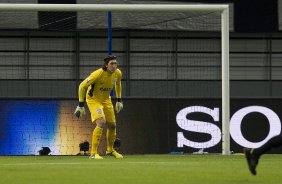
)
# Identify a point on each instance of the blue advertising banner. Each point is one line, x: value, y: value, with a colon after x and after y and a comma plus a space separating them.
x: 145, y: 126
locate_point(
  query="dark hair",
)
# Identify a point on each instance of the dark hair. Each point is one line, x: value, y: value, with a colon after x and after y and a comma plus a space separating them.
x: 106, y: 61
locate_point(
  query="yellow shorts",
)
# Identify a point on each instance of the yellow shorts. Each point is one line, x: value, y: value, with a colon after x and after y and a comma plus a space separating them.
x: 102, y: 110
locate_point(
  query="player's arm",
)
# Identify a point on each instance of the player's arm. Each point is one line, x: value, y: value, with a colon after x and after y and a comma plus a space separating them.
x: 83, y: 87
x: 80, y: 110
x: 118, y: 90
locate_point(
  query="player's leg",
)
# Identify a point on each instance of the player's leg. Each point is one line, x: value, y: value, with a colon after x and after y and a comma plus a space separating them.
x: 111, y: 130
x: 251, y: 160
x: 111, y: 136
x: 97, y: 117
x: 96, y: 136
x: 253, y: 155
x: 274, y: 142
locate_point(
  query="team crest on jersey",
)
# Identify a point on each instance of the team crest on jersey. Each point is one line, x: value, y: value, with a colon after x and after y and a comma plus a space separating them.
x: 114, y: 80
x: 99, y: 111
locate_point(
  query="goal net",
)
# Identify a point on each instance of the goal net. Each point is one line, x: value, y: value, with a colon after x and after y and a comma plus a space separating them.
x: 164, y: 51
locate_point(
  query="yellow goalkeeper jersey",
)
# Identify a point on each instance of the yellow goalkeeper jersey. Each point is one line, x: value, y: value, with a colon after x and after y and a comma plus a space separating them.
x: 99, y: 85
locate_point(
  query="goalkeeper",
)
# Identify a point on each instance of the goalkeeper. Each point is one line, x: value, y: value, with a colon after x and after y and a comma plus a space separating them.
x: 98, y: 86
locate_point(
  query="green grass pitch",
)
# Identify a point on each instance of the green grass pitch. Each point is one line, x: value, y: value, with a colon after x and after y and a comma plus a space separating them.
x: 139, y: 169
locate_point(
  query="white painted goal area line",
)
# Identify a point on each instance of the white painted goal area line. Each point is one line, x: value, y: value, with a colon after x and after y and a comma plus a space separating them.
x: 91, y: 162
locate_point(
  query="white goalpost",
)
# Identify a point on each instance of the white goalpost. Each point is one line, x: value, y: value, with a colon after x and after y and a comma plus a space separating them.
x: 223, y: 9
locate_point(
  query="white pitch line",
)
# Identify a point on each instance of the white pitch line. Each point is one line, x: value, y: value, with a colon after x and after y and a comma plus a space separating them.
x: 43, y: 163
x: 91, y: 162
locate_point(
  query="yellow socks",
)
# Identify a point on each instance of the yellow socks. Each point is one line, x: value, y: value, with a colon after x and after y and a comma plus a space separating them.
x: 111, y: 136
x: 96, y: 136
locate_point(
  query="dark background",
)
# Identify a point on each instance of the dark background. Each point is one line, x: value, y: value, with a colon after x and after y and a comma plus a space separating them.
x: 149, y: 125
x: 249, y: 15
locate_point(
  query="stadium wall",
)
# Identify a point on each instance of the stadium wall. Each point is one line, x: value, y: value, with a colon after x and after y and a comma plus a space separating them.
x: 51, y: 64
x: 145, y: 126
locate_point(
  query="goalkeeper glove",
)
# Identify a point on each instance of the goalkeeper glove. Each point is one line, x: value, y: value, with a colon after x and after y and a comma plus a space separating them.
x: 80, y: 110
x: 119, y: 105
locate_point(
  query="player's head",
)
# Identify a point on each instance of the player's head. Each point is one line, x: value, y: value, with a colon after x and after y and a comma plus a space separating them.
x: 110, y: 63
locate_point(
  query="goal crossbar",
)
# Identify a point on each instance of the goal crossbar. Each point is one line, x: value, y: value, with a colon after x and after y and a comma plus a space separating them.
x: 112, y: 7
